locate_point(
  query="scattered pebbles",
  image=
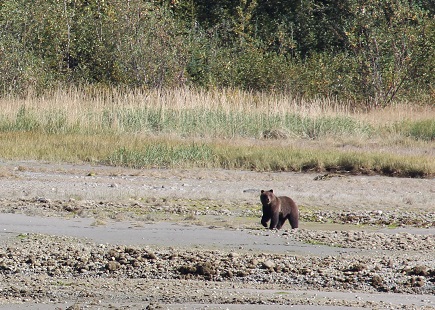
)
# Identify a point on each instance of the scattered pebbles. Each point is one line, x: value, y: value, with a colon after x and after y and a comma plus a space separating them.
x: 394, y: 262
x: 67, y: 257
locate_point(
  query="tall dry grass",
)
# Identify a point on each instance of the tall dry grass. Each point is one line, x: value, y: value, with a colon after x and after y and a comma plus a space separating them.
x: 76, y: 102
x: 225, y: 113
x: 217, y: 128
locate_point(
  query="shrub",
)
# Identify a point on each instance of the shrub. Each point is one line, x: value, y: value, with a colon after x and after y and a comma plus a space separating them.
x: 423, y: 130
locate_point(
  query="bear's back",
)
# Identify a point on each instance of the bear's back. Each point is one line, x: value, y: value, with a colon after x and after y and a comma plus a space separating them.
x: 287, y: 204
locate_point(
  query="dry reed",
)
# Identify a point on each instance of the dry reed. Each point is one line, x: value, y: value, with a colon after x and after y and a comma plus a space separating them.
x: 96, y: 124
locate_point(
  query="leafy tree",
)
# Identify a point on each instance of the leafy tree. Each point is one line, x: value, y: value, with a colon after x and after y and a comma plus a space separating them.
x: 389, y: 41
x: 370, y: 51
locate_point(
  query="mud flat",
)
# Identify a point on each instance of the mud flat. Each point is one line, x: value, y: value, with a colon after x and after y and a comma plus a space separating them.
x: 96, y: 237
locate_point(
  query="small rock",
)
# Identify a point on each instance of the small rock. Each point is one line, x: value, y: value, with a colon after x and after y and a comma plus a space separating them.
x: 112, y: 266
x: 357, y: 268
x: 377, y: 281
x: 268, y: 264
x: 205, y: 269
x: 420, y: 270
x: 43, y: 200
x: 417, y: 281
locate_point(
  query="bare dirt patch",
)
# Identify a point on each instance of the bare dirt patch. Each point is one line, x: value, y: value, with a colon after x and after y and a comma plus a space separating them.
x: 108, y: 237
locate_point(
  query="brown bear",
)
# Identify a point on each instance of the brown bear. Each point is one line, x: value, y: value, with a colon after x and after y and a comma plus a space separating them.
x: 278, y: 210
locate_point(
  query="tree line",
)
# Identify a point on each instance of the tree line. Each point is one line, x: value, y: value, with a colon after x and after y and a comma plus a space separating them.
x: 368, y: 51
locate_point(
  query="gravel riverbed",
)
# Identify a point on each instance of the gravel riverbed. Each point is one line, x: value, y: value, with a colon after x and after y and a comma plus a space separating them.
x: 364, y: 242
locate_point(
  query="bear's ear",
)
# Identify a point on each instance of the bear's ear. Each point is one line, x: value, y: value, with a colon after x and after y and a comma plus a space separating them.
x: 262, y: 191
x: 271, y: 191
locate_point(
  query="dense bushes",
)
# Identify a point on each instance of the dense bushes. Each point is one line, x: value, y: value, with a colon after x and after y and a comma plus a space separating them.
x: 368, y: 51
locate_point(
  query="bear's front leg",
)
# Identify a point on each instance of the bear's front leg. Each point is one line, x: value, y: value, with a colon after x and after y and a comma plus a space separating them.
x: 274, y: 221
x: 264, y: 220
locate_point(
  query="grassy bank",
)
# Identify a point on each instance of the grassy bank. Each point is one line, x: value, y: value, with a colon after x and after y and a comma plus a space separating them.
x: 229, y: 129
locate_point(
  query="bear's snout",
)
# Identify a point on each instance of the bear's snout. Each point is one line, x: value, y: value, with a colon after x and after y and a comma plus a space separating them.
x: 265, y: 199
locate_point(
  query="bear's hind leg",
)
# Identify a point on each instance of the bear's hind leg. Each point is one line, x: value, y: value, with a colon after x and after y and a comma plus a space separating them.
x: 280, y: 222
x: 294, y: 221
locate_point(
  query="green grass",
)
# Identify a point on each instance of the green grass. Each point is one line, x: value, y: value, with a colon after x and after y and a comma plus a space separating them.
x: 282, y: 293
x: 424, y: 130
x: 221, y: 129
x: 23, y: 236
x: 187, y: 122
x: 145, y: 152
x: 163, y: 155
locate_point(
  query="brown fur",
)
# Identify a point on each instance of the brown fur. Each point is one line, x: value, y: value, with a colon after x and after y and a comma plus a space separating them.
x: 278, y: 210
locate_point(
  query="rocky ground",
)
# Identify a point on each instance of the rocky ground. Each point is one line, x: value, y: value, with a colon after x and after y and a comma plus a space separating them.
x: 364, y: 241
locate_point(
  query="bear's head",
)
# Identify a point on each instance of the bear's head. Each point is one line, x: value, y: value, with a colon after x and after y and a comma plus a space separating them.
x: 267, y: 197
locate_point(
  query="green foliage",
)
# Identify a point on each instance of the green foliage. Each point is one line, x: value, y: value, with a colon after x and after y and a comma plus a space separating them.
x: 370, y: 51
x: 151, y: 50
x: 56, y: 122
x: 423, y: 130
x: 389, y: 41
x: 420, y: 130
x: 25, y: 121
x: 328, y: 126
